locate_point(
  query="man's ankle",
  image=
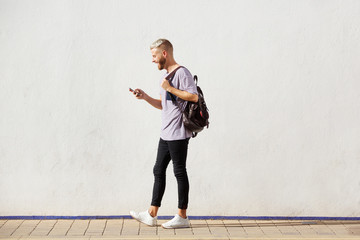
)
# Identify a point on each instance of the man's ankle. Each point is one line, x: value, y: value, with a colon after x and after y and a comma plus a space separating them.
x: 182, y: 213
x: 153, y: 211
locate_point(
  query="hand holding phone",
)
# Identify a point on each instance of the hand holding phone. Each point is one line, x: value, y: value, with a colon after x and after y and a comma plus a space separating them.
x: 135, y: 92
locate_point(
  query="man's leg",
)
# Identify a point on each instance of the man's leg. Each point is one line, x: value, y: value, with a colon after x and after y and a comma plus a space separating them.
x: 149, y: 217
x: 178, y: 151
x: 153, y: 210
x: 162, y: 161
x: 182, y: 213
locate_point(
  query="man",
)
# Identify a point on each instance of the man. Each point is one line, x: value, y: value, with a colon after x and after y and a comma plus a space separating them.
x: 174, y: 137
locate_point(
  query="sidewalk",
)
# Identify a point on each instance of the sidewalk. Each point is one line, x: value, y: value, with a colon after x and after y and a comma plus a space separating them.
x: 200, y: 229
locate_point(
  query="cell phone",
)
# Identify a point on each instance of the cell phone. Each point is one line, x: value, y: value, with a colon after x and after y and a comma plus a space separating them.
x: 133, y: 91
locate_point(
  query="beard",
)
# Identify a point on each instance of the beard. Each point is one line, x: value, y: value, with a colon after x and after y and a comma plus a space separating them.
x: 161, y: 63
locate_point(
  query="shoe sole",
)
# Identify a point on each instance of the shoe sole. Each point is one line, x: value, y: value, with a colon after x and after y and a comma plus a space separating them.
x: 141, y: 221
x: 174, y: 227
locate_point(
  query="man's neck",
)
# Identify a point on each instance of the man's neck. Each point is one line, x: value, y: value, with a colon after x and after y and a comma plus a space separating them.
x: 172, y: 67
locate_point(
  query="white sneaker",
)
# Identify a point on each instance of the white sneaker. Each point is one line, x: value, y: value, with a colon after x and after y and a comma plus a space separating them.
x: 144, y: 217
x: 177, y: 222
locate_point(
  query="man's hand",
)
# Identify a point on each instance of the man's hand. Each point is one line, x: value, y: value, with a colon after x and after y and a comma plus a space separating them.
x: 139, y: 94
x: 165, y: 84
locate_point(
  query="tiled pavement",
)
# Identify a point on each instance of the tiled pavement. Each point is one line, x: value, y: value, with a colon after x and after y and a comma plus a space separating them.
x: 200, y: 229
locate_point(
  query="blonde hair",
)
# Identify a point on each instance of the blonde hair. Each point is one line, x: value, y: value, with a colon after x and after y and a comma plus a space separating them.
x: 162, y: 43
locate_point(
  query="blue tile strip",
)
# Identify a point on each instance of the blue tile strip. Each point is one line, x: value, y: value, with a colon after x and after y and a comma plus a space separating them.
x: 190, y: 217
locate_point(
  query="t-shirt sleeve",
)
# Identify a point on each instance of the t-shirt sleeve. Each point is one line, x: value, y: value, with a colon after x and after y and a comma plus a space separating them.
x: 187, y: 82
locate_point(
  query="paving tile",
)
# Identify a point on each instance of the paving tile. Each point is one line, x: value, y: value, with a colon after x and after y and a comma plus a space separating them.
x: 271, y: 231
x: 338, y: 228
x: 268, y: 228
x: 145, y: 230
x: 104, y: 238
x: 248, y: 223
x: 2, y: 222
x: 179, y: 237
x: 162, y: 232
x: 44, y: 228
x: 234, y: 228
x: 130, y: 227
x: 9, y: 227
x: 286, y: 228
x: 305, y: 230
x: 352, y: 226
x: 173, y: 237
x: 113, y: 227
x: 252, y: 229
x: 217, y: 228
x: 96, y: 227
x: 26, y: 228
x: 264, y: 222
x: 184, y: 232
x: 61, y: 227
x: 165, y: 232
x: 78, y: 228
x: 200, y: 228
x: 292, y: 223
x: 322, y: 229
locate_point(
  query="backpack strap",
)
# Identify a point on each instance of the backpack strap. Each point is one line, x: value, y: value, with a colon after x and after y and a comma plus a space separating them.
x: 172, y: 74
x: 170, y: 78
x: 195, y: 79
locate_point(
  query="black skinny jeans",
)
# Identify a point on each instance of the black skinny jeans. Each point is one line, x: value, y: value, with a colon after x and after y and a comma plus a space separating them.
x: 177, y: 152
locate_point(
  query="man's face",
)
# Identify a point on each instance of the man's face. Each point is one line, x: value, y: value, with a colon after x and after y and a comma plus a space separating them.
x: 158, y: 57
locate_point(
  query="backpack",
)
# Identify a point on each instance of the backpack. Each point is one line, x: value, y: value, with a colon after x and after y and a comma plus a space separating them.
x: 195, y: 115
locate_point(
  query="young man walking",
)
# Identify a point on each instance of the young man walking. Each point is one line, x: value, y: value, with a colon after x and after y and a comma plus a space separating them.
x: 174, y: 137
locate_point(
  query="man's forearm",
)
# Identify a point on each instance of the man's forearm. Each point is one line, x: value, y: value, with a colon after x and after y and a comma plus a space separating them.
x: 153, y: 102
x: 183, y: 94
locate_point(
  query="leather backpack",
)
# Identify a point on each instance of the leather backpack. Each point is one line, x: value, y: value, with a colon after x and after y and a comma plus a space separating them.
x: 195, y: 115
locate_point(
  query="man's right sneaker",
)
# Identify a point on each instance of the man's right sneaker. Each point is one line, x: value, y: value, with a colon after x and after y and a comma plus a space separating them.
x: 144, y: 217
x: 177, y: 222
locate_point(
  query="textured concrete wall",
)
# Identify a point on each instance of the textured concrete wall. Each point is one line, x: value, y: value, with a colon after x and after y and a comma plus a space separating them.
x: 281, y: 79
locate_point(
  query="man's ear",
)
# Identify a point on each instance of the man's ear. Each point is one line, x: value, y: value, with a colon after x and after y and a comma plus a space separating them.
x: 164, y: 53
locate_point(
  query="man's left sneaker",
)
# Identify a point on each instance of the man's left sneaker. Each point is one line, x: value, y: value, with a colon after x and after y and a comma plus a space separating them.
x: 144, y: 217
x: 177, y: 222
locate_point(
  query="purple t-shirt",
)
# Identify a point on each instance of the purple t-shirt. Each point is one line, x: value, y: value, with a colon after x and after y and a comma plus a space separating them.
x: 172, y: 127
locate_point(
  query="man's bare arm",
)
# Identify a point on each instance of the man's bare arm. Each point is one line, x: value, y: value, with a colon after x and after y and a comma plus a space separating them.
x: 183, y: 94
x: 140, y: 94
x: 179, y: 93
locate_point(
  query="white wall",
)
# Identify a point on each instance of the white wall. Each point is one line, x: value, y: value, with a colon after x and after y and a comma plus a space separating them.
x: 281, y: 79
